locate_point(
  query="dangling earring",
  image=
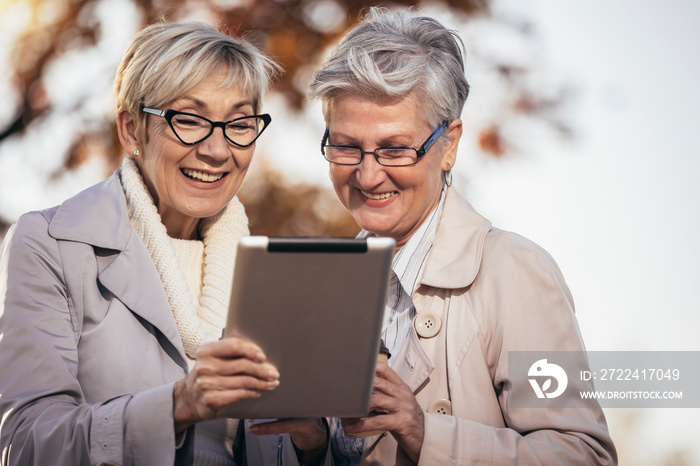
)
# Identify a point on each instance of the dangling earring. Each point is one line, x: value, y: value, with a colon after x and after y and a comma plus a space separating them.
x: 136, y: 154
x: 447, y: 175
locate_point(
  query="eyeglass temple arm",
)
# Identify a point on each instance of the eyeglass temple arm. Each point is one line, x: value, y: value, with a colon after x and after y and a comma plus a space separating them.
x: 431, y: 140
x: 324, y: 139
x: 153, y: 111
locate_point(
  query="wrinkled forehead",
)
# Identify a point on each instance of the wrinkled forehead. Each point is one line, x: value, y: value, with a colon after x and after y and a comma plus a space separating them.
x: 330, y: 105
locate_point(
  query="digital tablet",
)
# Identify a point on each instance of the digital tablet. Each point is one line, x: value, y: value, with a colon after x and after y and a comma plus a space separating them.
x: 315, y: 306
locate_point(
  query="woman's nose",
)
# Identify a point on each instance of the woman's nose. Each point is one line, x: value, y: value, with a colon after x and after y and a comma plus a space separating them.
x: 216, y: 146
x: 370, y: 173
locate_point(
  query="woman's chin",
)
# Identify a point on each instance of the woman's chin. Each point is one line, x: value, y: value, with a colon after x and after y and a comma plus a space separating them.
x: 204, y: 209
x: 378, y: 226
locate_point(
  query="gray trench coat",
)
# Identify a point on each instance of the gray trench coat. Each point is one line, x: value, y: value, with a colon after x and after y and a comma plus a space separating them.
x: 89, y: 349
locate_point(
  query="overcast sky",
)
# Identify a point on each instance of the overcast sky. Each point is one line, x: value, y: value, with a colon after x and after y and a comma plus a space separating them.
x: 618, y: 208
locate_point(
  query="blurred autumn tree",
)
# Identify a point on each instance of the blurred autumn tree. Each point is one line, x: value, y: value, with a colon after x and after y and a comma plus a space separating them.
x: 296, y: 32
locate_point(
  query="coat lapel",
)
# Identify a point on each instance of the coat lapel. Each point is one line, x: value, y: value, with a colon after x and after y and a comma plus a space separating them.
x: 98, y: 216
x: 453, y: 262
x: 133, y: 279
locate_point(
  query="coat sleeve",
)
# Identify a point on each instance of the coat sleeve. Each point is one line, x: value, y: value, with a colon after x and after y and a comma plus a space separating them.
x: 45, y: 418
x: 521, y: 303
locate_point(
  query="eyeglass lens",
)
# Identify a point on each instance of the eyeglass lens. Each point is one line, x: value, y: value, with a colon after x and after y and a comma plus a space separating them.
x: 353, y: 155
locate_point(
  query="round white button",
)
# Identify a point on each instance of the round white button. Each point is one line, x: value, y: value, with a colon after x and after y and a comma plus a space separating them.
x: 440, y: 406
x: 427, y: 324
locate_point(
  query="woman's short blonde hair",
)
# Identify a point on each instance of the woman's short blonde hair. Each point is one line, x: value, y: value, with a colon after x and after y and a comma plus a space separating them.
x: 166, y: 60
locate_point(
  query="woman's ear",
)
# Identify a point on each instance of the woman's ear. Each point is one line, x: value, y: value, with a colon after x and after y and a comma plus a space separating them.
x: 127, y: 130
x: 454, y: 133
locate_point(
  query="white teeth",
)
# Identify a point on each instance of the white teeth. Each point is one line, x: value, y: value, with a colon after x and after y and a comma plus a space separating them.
x: 377, y: 196
x: 202, y: 176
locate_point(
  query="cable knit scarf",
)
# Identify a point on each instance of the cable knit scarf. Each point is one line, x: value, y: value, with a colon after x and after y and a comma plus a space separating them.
x: 196, y: 324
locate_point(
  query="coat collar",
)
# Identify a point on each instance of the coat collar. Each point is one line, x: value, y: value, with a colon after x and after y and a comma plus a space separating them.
x: 98, y: 217
x: 455, y: 257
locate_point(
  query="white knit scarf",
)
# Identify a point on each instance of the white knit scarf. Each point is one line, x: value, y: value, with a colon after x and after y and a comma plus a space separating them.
x: 196, y: 324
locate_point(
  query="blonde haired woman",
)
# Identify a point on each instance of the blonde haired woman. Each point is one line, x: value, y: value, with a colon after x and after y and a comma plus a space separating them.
x: 112, y: 304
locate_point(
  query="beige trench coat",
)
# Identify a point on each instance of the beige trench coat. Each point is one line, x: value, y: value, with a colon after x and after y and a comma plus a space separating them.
x: 492, y: 292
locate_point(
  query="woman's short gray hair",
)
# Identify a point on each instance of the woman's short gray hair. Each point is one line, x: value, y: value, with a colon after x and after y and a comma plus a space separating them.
x: 166, y: 60
x: 390, y: 55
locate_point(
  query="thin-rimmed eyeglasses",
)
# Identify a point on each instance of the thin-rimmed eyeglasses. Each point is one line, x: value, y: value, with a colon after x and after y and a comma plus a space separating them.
x: 386, y: 156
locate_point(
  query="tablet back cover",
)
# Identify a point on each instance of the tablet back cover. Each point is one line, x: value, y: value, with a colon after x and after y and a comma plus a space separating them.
x: 315, y: 307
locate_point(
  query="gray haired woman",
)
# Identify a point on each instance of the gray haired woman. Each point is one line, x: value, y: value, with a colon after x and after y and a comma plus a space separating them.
x: 463, y: 293
x: 112, y: 304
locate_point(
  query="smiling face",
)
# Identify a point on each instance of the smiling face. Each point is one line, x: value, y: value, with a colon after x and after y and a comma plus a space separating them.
x: 388, y: 201
x: 191, y: 182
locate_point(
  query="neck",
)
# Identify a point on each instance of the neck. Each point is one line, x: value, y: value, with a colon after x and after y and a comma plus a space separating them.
x: 182, y: 229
